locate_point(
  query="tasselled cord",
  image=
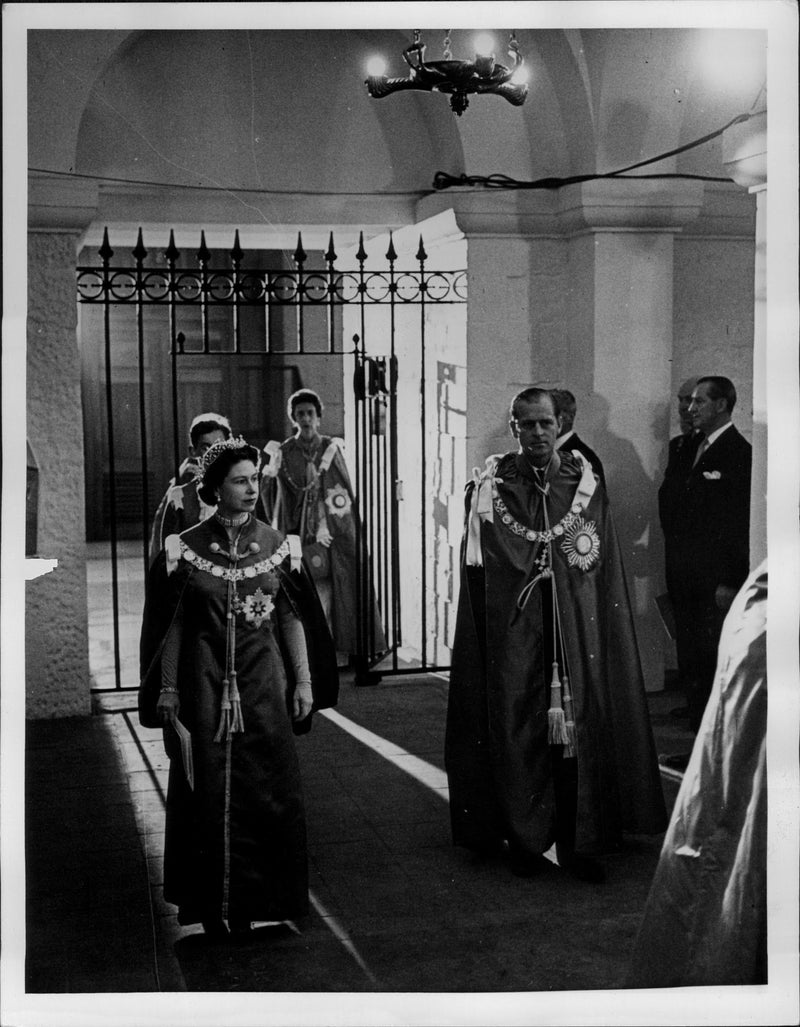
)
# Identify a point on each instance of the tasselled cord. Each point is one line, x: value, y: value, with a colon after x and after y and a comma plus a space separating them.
x: 230, y: 720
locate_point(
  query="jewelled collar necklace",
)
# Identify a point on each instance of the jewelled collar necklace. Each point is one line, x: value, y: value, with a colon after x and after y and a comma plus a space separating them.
x: 233, y: 522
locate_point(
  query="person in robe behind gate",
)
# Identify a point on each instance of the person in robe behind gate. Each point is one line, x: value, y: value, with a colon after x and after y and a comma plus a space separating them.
x: 705, y: 922
x: 306, y: 490
x: 181, y: 506
x: 548, y: 736
x: 226, y: 668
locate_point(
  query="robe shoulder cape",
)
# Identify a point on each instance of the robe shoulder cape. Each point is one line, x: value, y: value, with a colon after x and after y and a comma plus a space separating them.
x: 496, y: 749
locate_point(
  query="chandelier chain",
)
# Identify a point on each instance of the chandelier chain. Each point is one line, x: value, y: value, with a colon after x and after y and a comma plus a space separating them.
x: 447, y: 52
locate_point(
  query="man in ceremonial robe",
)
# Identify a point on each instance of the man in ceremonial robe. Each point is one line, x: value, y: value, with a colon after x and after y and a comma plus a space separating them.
x: 548, y: 735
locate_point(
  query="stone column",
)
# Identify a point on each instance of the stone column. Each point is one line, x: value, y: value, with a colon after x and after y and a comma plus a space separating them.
x: 575, y: 288
x: 56, y: 634
x: 620, y: 352
x: 744, y: 154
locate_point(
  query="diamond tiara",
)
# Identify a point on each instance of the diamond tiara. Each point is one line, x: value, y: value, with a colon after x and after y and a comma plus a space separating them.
x: 213, y: 453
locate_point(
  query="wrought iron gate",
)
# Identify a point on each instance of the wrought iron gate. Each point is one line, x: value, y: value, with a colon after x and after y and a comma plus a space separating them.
x: 354, y: 315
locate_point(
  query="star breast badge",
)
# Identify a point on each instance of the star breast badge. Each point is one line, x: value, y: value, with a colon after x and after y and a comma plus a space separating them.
x: 581, y: 544
x: 338, y: 501
x: 256, y: 607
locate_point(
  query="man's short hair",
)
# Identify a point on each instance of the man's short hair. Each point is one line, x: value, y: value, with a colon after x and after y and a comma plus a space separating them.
x: 720, y: 388
x: 564, y: 402
x: 531, y: 395
x: 205, y: 423
x: 303, y: 396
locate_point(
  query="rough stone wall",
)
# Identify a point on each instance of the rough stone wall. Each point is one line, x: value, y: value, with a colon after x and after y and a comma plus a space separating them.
x: 56, y: 639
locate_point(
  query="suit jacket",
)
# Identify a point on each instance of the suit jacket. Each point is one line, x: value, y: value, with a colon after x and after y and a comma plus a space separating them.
x: 709, y: 519
x: 682, y: 450
x: 576, y: 442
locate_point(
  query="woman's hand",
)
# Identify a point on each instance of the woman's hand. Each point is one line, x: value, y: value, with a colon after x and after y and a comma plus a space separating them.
x: 168, y: 706
x: 302, y: 701
x: 324, y: 537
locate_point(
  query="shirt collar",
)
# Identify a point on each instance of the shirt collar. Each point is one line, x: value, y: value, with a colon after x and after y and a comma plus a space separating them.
x: 712, y: 438
x: 527, y: 470
x: 564, y: 438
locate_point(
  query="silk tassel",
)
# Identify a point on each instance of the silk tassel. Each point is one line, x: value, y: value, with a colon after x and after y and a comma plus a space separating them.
x: 556, y: 722
x: 237, y: 721
x: 569, y: 717
x: 223, y: 730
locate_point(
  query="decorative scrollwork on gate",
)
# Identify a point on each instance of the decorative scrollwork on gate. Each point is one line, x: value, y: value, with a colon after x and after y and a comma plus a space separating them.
x: 257, y: 287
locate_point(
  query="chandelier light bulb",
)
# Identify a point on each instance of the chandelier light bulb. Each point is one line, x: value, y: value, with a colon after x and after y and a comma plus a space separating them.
x: 520, y: 77
x: 484, y: 43
x: 376, y: 66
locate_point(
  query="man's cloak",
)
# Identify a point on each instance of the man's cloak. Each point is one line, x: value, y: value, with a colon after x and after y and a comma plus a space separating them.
x: 497, y: 754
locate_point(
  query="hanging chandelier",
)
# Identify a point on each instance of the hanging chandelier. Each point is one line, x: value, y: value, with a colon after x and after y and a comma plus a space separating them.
x: 453, y: 77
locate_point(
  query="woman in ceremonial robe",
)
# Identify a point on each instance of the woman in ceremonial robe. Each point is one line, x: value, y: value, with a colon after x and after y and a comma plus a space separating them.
x: 225, y: 656
x: 306, y: 490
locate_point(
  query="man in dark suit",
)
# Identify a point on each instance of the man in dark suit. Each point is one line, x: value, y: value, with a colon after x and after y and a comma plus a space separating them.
x: 682, y: 449
x: 706, y: 518
x: 568, y: 439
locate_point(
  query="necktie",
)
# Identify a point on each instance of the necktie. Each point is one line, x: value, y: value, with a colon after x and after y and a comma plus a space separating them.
x: 700, y: 450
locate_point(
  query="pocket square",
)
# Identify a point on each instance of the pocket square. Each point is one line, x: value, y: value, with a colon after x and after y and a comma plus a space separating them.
x: 712, y: 475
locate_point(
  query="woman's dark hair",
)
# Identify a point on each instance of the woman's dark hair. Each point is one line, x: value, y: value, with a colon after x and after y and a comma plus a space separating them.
x: 303, y: 396
x: 218, y: 461
x: 209, y: 423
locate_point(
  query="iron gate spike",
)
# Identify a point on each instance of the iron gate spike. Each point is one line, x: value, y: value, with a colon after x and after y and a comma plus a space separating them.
x: 139, y: 252
x: 105, y: 251
x: 203, y: 254
x: 236, y: 252
x: 330, y: 256
x: 172, y: 252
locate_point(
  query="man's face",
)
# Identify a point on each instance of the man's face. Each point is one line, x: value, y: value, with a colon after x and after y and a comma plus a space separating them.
x: 684, y: 399
x: 707, y: 414
x: 205, y: 442
x: 307, y: 419
x: 536, y: 426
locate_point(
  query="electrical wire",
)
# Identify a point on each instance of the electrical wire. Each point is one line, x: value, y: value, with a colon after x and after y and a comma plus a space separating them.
x: 443, y: 180
x: 113, y: 179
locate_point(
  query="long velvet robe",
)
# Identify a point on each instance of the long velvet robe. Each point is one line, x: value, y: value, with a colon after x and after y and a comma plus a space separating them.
x: 289, y: 509
x: 498, y: 759
x: 706, y: 916
x: 235, y: 845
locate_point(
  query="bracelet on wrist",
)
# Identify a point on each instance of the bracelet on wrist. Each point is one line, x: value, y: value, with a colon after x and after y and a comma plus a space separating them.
x: 167, y: 689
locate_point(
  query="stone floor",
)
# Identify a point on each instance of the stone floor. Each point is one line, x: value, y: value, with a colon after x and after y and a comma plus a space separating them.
x: 395, y: 907
x: 403, y: 928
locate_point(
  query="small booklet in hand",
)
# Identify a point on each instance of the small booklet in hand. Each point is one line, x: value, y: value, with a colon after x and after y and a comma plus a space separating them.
x: 186, y: 751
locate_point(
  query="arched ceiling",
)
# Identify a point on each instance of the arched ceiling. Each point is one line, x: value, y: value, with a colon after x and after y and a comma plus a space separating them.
x: 288, y: 111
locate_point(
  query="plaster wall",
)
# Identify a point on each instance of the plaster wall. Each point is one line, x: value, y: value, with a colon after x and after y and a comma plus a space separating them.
x: 504, y: 333
x: 56, y: 647
x: 713, y: 290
